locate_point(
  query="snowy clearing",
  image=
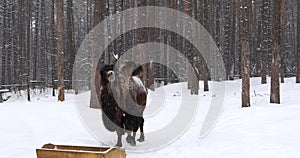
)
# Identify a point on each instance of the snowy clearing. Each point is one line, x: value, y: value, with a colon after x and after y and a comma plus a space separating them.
x: 264, y: 130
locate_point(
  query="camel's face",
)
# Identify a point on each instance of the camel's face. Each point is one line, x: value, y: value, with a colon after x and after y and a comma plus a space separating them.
x: 107, y: 74
x: 110, y: 76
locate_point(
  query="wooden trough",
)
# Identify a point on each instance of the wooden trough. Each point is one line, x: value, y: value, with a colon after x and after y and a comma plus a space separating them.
x: 66, y: 151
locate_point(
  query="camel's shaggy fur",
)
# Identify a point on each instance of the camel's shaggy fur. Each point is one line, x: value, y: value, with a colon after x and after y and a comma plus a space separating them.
x: 123, y: 99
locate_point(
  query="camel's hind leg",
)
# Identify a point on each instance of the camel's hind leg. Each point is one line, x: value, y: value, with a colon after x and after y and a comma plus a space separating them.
x: 128, y: 138
x: 131, y: 139
x: 133, y: 142
x: 142, y: 136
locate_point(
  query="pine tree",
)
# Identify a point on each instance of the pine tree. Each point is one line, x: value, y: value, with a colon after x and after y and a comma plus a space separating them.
x: 206, y: 22
x: 71, y: 52
x: 53, y: 42
x: 245, y: 6
x: 266, y: 19
x: 60, y: 53
x: 232, y: 30
x: 282, y: 43
x: 28, y: 39
x: 99, y: 13
x: 275, y: 85
x: 298, y: 43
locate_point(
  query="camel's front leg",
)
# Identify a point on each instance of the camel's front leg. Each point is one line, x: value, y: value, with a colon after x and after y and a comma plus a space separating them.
x: 119, y: 143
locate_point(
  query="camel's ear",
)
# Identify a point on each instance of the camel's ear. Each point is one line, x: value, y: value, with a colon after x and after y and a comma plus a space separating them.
x: 115, y: 57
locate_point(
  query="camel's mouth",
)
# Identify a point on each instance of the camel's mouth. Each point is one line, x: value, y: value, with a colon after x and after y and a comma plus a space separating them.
x: 111, y: 76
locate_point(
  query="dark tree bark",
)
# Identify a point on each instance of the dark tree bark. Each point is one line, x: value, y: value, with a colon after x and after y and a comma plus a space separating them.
x: 22, y: 40
x: 227, y: 54
x: 282, y: 45
x: 4, y: 43
x: 142, y: 38
x: 44, y: 44
x: 266, y: 22
x: 60, y: 46
x: 245, y: 5
x: 238, y: 45
x: 151, y: 77
x: 298, y: 43
x: 99, y: 13
x: 206, y: 23
x: 259, y: 37
x: 232, y: 40
x: 71, y: 41
x: 1, y: 38
x: 28, y: 37
x: 275, y: 85
x: 36, y: 46
x: 53, y: 48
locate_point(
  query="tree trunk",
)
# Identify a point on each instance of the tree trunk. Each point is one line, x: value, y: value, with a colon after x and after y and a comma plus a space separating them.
x: 189, y: 55
x: 151, y: 77
x: 44, y: 44
x: 232, y: 40
x: 53, y: 41
x: 266, y: 7
x: 28, y: 37
x: 99, y: 13
x: 60, y: 46
x: 36, y: 46
x: 275, y: 85
x: 259, y: 37
x: 71, y: 40
x: 282, y: 45
x: 298, y: 43
x: 245, y: 54
x: 205, y: 76
x: 206, y: 25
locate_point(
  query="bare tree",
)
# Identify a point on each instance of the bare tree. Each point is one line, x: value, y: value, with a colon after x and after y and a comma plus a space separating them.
x: 245, y: 6
x: 298, y: 43
x: 206, y: 22
x: 232, y: 40
x: 282, y: 47
x: 43, y: 62
x: 5, y: 43
x: 53, y: 47
x: 60, y: 46
x: 266, y: 22
x: 258, y: 36
x: 36, y: 46
x: 99, y: 13
x: 70, y: 44
x: 275, y: 85
x: 28, y: 37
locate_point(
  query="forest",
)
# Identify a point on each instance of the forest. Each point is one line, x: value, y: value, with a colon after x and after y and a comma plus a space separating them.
x: 39, y: 39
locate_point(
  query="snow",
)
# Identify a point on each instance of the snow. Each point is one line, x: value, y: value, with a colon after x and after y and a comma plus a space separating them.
x: 263, y: 130
x: 4, y: 90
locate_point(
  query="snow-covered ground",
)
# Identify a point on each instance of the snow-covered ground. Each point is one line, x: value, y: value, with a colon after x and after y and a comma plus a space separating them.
x: 264, y: 130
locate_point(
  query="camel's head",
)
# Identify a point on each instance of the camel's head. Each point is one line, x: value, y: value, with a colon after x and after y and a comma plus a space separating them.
x: 107, y: 74
x: 111, y: 76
